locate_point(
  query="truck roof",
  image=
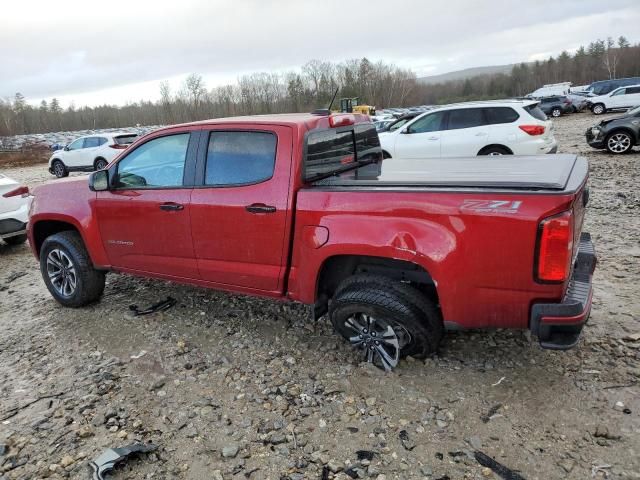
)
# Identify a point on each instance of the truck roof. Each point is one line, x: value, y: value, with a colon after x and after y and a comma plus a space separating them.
x: 306, y: 121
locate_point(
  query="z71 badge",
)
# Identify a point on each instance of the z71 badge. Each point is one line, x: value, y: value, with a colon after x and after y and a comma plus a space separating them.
x: 492, y: 206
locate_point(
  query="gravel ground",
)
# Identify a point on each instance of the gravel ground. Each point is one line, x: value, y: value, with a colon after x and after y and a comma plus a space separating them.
x: 231, y: 387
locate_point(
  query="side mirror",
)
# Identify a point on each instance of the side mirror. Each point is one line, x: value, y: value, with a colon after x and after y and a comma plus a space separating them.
x: 66, y: 148
x: 405, y: 130
x: 99, y: 181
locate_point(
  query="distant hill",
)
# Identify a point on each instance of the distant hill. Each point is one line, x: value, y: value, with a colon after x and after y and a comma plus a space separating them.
x: 466, y: 73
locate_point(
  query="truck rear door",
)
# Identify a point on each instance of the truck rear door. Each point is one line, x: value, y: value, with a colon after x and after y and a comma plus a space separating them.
x: 239, y: 205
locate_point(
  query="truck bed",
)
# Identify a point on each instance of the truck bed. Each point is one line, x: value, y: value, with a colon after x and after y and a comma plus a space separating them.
x: 548, y: 173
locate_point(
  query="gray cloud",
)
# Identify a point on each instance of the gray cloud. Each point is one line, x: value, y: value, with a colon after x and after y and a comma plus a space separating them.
x: 70, y: 47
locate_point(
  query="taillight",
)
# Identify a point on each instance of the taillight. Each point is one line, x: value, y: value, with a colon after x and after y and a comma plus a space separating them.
x: 533, y: 129
x: 20, y: 191
x: 567, y: 101
x: 555, y: 246
x: 117, y: 146
x: 341, y: 120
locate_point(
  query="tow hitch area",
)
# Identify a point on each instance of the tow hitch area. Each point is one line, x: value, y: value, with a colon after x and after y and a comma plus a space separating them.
x: 558, y: 325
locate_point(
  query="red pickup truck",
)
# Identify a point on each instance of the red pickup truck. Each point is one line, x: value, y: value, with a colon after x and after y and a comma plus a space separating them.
x: 302, y: 207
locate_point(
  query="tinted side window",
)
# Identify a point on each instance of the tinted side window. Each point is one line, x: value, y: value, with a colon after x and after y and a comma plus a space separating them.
x: 157, y: 163
x: 240, y: 158
x: 465, y: 118
x: 367, y: 143
x: 428, y: 123
x: 102, y: 140
x: 496, y: 115
x: 91, y: 142
x: 622, y: 91
x: 633, y: 90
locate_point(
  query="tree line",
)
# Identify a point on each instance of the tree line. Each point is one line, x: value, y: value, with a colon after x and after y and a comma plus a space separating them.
x: 313, y: 85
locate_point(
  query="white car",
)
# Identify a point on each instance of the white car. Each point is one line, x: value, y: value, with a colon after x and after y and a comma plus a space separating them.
x: 619, y: 99
x: 502, y: 127
x: 14, y: 211
x: 89, y: 153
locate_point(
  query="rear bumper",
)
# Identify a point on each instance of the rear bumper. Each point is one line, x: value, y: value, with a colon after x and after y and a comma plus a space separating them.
x: 558, y: 325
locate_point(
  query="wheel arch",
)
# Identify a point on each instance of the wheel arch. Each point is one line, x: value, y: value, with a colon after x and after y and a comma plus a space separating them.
x: 97, y: 159
x: 494, y: 145
x: 385, y: 154
x: 337, y: 268
x: 43, y: 229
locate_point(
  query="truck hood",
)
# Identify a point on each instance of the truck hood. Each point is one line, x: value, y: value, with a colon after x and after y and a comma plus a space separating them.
x: 543, y: 172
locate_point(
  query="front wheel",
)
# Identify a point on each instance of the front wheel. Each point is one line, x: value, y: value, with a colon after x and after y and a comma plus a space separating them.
x: 619, y: 142
x: 67, y: 270
x: 598, y: 109
x: 387, y: 320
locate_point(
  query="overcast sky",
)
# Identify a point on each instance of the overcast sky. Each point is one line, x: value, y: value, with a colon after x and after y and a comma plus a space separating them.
x: 118, y: 51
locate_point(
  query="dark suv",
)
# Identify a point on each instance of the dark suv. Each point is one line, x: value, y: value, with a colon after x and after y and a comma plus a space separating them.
x: 556, y: 105
x: 618, y: 135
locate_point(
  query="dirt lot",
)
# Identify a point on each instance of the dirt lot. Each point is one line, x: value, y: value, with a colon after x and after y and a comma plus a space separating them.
x: 231, y: 387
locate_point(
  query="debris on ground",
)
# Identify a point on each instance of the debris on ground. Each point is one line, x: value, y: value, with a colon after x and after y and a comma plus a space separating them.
x: 499, y: 469
x: 110, y: 458
x: 156, y: 307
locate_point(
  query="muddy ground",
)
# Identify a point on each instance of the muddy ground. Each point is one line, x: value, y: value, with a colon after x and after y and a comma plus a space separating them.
x: 230, y: 387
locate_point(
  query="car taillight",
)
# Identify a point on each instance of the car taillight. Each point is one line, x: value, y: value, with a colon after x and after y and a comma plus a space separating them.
x: 20, y: 191
x: 567, y: 101
x: 341, y: 120
x: 555, y: 246
x: 117, y: 146
x: 533, y: 129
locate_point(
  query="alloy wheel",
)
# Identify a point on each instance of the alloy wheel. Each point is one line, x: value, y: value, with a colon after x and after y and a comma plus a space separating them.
x: 62, y: 272
x: 380, y: 341
x: 619, y: 143
x: 58, y: 169
x: 100, y: 165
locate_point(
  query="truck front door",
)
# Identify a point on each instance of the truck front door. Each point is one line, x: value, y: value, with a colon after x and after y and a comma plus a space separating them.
x: 144, y: 218
x: 239, y: 206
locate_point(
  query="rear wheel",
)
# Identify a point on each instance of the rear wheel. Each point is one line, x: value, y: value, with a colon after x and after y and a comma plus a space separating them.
x: 100, y: 164
x: 16, y: 240
x: 68, y: 272
x: 556, y: 112
x: 386, y: 319
x: 598, y: 109
x: 619, y: 142
x: 59, y: 170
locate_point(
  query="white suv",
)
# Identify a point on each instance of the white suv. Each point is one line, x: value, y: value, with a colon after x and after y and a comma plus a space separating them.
x: 502, y: 127
x: 14, y: 211
x: 620, y: 98
x: 92, y: 152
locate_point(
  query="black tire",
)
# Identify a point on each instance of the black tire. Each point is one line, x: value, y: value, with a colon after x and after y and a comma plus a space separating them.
x: 598, y: 109
x: 495, y: 150
x: 16, y: 240
x: 100, y: 164
x: 59, y: 169
x: 619, y: 142
x: 89, y: 282
x: 556, y: 112
x: 398, y: 304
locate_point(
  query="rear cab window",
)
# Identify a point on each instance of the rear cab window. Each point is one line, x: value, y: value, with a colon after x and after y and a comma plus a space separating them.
x: 335, y: 150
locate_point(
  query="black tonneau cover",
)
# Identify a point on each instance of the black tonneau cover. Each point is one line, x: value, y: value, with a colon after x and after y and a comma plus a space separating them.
x: 537, y: 172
